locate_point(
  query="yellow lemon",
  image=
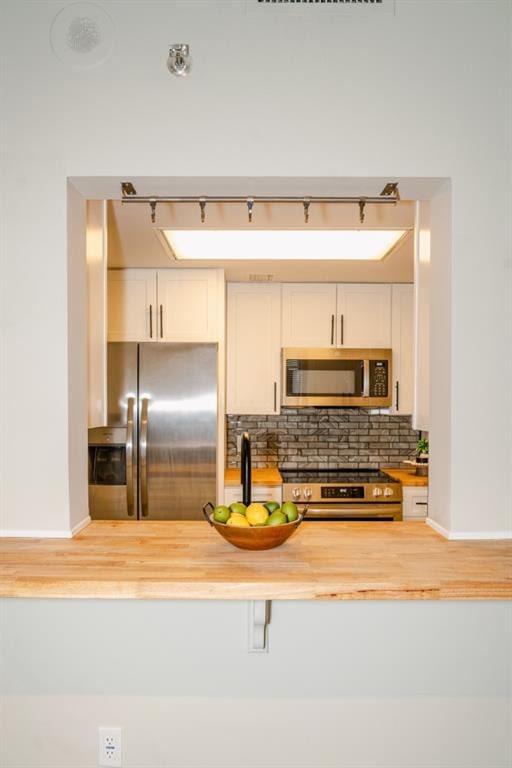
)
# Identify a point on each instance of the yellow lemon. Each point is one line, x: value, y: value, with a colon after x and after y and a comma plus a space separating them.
x: 237, y: 520
x: 256, y: 514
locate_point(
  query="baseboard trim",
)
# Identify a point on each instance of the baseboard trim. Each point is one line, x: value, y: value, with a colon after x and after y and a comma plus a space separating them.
x: 468, y: 535
x: 80, y: 526
x: 7, y: 533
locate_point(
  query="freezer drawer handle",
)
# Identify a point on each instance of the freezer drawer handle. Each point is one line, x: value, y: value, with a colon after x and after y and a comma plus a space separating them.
x: 144, y: 457
x: 129, y: 457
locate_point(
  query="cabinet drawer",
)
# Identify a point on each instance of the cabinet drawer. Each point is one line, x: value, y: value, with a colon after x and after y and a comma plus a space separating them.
x: 260, y: 493
x: 415, y: 503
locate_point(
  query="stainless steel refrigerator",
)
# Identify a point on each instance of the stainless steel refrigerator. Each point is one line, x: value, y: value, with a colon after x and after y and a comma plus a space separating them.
x: 156, y: 459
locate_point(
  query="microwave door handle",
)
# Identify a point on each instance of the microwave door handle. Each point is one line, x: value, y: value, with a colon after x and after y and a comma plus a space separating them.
x: 144, y: 457
x: 130, y: 499
x: 366, y: 378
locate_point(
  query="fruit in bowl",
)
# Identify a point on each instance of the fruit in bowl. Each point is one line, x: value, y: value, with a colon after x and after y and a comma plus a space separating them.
x: 257, y: 526
x: 256, y: 514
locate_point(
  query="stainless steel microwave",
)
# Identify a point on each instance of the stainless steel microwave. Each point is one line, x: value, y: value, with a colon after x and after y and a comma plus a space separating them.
x: 336, y: 377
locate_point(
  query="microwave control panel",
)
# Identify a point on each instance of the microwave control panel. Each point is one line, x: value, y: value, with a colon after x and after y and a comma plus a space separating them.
x: 378, y: 378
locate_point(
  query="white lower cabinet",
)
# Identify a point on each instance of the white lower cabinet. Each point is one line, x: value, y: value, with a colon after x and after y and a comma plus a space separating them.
x: 260, y: 493
x: 253, y: 348
x: 415, y: 502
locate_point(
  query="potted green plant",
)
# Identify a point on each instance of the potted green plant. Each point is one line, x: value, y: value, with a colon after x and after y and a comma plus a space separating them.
x: 422, y: 457
x: 422, y: 451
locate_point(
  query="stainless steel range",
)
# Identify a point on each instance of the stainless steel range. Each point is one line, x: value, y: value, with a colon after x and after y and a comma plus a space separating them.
x: 343, y: 494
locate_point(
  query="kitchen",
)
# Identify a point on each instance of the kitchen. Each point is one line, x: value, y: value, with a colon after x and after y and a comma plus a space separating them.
x: 267, y: 314
x: 357, y: 678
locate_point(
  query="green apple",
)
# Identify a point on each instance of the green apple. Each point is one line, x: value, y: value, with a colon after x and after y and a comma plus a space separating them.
x: 272, y: 506
x: 237, y: 506
x: 221, y: 514
x: 277, y: 518
x: 290, y: 510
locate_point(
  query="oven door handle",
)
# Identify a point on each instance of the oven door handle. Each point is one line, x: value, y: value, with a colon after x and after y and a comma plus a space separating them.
x: 355, y: 510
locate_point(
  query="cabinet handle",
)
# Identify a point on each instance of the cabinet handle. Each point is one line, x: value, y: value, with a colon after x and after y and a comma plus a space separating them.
x: 161, y: 321
x: 342, y: 329
x: 397, y: 388
x: 332, y: 330
x: 275, y: 395
x: 150, y: 321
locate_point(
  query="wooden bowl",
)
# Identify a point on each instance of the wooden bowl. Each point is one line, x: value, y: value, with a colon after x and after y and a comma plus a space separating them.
x: 257, y: 537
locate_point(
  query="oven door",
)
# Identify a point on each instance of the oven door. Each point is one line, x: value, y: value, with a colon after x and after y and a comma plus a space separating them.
x: 373, y: 511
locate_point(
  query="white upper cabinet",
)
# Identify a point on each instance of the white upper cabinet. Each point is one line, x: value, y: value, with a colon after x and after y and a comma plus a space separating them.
x: 253, y: 348
x: 329, y: 315
x: 309, y: 314
x: 132, y: 304
x: 364, y: 315
x: 402, y: 322
x: 165, y: 305
x: 188, y: 305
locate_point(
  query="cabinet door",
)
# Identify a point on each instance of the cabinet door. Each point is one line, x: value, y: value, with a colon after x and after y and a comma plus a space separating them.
x: 309, y: 314
x: 253, y: 348
x: 364, y: 315
x: 402, y: 336
x: 131, y: 305
x: 415, y: 503
x: 187, y: 304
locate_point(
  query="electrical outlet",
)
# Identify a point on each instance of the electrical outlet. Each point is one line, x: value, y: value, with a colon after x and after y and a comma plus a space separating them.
x: 239, y: 443
x: 110, y: 747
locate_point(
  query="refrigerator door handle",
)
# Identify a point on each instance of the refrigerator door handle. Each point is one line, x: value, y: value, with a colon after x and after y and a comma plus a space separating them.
x: 144, y: 457
x: 130, y: 500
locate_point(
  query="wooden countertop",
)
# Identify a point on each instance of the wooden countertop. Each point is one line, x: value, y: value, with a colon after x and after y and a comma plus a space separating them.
x: 321, y: 561
x: 265, y: 476
x: 406, y: 477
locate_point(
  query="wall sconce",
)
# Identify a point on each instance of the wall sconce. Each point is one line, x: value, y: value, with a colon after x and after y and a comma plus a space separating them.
x: 179, y: 61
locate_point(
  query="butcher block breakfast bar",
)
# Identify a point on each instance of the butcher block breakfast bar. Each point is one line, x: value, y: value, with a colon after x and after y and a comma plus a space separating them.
x: 321, y: 561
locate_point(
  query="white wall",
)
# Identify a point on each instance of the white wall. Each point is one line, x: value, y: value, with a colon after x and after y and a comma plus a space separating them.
x: 415, y: 94
x: 345, y: 685
x: 422, y: 93
x: 438, y: 274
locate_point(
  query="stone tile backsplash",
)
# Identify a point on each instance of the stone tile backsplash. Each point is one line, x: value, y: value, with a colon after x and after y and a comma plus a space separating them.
x: 322, y: 438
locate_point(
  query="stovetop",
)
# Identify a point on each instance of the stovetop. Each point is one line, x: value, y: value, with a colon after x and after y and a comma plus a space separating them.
x: 335, y: 476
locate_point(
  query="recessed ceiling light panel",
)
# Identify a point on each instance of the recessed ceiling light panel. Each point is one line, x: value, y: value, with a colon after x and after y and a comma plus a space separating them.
x: 254, y: 244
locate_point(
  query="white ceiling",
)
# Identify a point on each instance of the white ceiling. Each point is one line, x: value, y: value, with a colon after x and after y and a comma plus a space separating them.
x: 133, y: 242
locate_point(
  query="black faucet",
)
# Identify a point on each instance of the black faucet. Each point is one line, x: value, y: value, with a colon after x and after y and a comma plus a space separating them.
x: 245, y: 469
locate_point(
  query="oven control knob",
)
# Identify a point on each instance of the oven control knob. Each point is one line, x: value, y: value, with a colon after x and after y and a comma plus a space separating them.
x: 307, y: 493
x: 296, y: 493
x: 388, y: 491
x: 377, y: 491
